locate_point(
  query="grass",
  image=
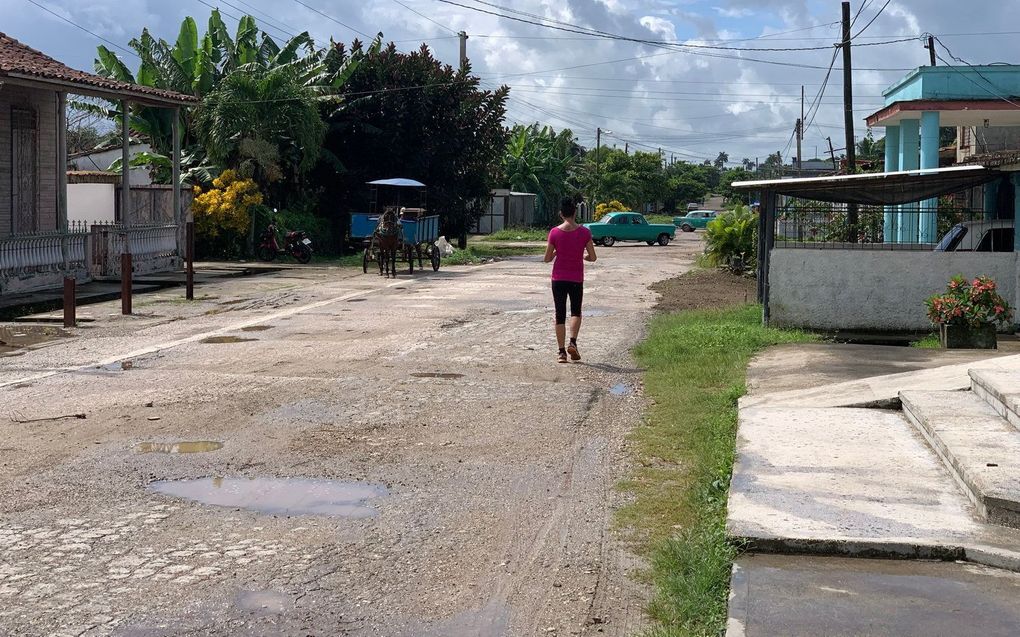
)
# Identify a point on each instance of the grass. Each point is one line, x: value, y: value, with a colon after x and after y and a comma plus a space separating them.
x: 695, y: 372
x: 930, y: 341
x: 518, y: 234
x: 476, y: 253
x: 666, y: 219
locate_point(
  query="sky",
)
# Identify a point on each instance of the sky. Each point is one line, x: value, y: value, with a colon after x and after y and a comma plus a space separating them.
x: 691, y: 102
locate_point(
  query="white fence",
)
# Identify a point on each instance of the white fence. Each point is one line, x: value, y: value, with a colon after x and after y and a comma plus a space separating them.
x: 37, y: 261
x: 33, y: 262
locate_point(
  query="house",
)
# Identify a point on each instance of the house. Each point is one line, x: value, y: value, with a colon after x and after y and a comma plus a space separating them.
x: 868, y: 260
x: 38, y: 246
x: 101, y: 158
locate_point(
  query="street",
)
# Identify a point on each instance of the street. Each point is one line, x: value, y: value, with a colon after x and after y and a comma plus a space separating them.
x: 421, y: 465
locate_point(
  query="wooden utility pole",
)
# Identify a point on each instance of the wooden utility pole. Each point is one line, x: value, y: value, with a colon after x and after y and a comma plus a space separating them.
x: 931, y: 49
x: 463, y: 49
x: 832, y: 154
x: 800, y: 133
x: 848, y: 120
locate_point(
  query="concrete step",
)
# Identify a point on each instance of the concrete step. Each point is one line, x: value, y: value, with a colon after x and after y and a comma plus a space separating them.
x: 1001, y: 390
x: 978, y: 446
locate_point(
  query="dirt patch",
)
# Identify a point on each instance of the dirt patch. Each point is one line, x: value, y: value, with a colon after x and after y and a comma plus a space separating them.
x: 704, y: 290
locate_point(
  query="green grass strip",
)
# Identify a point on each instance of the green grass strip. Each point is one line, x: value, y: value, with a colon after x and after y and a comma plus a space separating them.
x: 518, y: 234
x: 695, y: 371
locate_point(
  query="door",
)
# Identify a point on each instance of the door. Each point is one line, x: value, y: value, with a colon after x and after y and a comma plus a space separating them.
x: 24, y: 173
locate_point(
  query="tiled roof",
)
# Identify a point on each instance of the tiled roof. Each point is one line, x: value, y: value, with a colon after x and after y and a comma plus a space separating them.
x: 19, y: 60
x: 994, y: 159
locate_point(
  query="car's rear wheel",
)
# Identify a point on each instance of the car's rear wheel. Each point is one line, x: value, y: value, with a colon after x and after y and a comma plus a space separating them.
x: 663, y: 239
x: 608, y: 241
x: 687, y: 227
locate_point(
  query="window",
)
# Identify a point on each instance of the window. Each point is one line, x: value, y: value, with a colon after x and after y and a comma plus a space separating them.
x: 997, y: 240
x: 637, y: 221
x: 952, y: 239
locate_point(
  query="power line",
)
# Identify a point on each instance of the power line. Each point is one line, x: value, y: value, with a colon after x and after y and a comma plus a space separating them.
x: 289, y: 30
x: 78, y: 26
x: 971, y: 80
x: 875, y: 17
x: 422, y: 15
x: 331, y: 18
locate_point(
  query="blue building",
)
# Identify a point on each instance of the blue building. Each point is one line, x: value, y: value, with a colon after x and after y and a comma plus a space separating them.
x: 983, y: 104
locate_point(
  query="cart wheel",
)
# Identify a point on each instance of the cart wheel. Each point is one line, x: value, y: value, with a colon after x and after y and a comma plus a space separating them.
x: 434, y: 257
x: 421, y: 255
x: 364, y: 261
x: 409, y: 253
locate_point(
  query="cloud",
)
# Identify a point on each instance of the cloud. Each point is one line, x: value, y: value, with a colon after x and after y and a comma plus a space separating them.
x: 694, y: 103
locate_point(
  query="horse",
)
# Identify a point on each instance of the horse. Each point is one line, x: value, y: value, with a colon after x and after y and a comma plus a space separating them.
x: 387, y: 240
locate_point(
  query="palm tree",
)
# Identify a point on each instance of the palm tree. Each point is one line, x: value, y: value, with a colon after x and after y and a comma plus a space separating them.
x: 541, y: 161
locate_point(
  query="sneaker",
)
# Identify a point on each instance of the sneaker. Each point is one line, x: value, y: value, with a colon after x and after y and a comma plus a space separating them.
x: 574, y: 354
x: 562, y: 358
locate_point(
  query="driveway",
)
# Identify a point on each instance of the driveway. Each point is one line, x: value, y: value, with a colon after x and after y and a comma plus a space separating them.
x: 376, y: 457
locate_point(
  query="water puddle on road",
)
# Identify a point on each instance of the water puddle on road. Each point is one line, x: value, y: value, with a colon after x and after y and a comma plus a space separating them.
x: 199, y: 446
x: 280, y: 496
x: 621, y: 389
x: 595, y: 312
x: 256, y: 328
x: 216, y: 340
x: 263, y: 602
x: 491, y: 620
x: 19, y: 337
x: 445, y: 376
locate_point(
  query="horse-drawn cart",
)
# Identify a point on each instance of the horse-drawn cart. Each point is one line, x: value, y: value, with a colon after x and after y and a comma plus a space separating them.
x: 392, y: 227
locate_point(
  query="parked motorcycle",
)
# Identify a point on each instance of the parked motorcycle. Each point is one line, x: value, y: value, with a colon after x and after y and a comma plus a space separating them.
x: 296, y: 244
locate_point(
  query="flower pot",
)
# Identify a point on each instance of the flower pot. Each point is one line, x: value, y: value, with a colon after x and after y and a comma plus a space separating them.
x: 968, y: 337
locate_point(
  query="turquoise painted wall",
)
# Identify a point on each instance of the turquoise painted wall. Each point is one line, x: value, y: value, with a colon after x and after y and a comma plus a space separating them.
x: 943, y: 82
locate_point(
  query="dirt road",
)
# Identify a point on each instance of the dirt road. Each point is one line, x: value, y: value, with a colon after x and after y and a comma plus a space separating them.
x: 420, y: 463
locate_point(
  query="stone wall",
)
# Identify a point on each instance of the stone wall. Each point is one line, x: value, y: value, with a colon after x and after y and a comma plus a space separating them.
x: 879, y: 290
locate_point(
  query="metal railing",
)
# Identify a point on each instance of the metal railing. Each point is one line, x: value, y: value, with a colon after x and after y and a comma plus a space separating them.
x: 916, y: 226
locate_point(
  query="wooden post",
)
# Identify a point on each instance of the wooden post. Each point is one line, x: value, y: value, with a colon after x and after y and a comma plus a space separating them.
x: 190, y: 249
x: 70, y: 319
x: 125, y: 168
x: 62, y: 180
x: 175, y: 129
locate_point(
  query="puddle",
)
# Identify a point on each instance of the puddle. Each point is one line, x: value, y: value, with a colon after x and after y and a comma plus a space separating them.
x: 280, y: 496
x: 596, y: 312
x: 263, y: 602
x: 18, y: 337
x: 213, y: 340
x: 491, y: 620
x: 621, y: 389
x: 256, y: 328
x: 199, y: 446
x: 447, y: 376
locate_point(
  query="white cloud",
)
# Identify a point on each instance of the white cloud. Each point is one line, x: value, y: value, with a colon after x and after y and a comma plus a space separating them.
x: 733, y: 12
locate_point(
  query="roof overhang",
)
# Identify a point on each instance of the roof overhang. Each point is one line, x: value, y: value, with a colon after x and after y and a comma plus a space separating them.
x: 881, y: 189
x: 77, y: 88
x: 951, y: 112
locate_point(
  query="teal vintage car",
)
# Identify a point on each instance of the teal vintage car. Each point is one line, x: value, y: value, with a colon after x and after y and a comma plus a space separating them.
x: 694, y: 219
x: 630, y: 226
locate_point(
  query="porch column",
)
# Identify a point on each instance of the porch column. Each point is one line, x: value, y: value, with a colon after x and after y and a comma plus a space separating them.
x: 909, y: 141
x: 125, y: 161
x: 1015, y: 178
x: 929, y: 159
x: 175, y: 131
x: 991, y: 197
x: 892, y: 164
x: 62, y: 179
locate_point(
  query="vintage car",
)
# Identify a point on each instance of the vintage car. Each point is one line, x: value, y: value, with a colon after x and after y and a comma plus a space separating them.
x: 630, y: 226
x: 694, y: 219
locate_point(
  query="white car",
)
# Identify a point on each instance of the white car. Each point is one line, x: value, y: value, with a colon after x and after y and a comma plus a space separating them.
x: 979, y: 236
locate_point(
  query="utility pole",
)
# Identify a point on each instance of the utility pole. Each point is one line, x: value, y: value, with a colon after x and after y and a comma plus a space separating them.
x: 626, y: 148
x: 463, y: 49
x: 848, y: 120
x: 931, y: 49
x: 598, y: 177
x: 800, y: 132
x: 832, y: 154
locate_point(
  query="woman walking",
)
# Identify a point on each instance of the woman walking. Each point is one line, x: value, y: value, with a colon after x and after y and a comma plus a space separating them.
x: 569, y: 246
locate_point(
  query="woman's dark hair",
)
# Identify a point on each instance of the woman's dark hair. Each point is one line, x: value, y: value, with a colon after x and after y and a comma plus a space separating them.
x: 568, y: 208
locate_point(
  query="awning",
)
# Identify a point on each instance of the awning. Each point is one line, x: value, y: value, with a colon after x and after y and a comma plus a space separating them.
x: 399, y: 182
x: 878, y: 189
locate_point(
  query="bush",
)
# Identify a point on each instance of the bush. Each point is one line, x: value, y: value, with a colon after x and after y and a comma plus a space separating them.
x: 603, y: 209
x: 730, y: 238
x: 974, y: 303
x: 223, y: 215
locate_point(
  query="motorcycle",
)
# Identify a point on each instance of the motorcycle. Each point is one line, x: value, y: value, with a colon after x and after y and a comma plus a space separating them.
x: 296, y: 244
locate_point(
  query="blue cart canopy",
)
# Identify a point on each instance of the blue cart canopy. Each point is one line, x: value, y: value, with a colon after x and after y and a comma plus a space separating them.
x: 399, y: 182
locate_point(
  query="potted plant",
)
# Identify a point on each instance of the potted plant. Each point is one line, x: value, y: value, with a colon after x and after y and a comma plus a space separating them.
x: 968, y: 313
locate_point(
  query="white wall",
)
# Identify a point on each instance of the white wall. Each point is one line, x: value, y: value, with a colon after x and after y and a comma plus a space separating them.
x: 101, y: 161
x: 91, y: 202
x: 873, y: 289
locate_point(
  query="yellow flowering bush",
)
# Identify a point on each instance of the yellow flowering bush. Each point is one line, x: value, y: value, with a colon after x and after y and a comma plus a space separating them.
x: 603, y: 209
x: 226, y: 207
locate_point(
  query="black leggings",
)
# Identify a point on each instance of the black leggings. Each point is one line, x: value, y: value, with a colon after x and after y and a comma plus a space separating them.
x: 561, y: 290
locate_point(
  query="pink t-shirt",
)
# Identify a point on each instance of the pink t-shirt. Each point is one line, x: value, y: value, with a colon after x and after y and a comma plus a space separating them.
x: 569, y: 262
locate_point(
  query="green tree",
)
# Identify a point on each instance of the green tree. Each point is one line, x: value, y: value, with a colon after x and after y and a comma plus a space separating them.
x: 541, y: 161
x: 720, y: 160
x: 409, y: 115
x: 730, y: 176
